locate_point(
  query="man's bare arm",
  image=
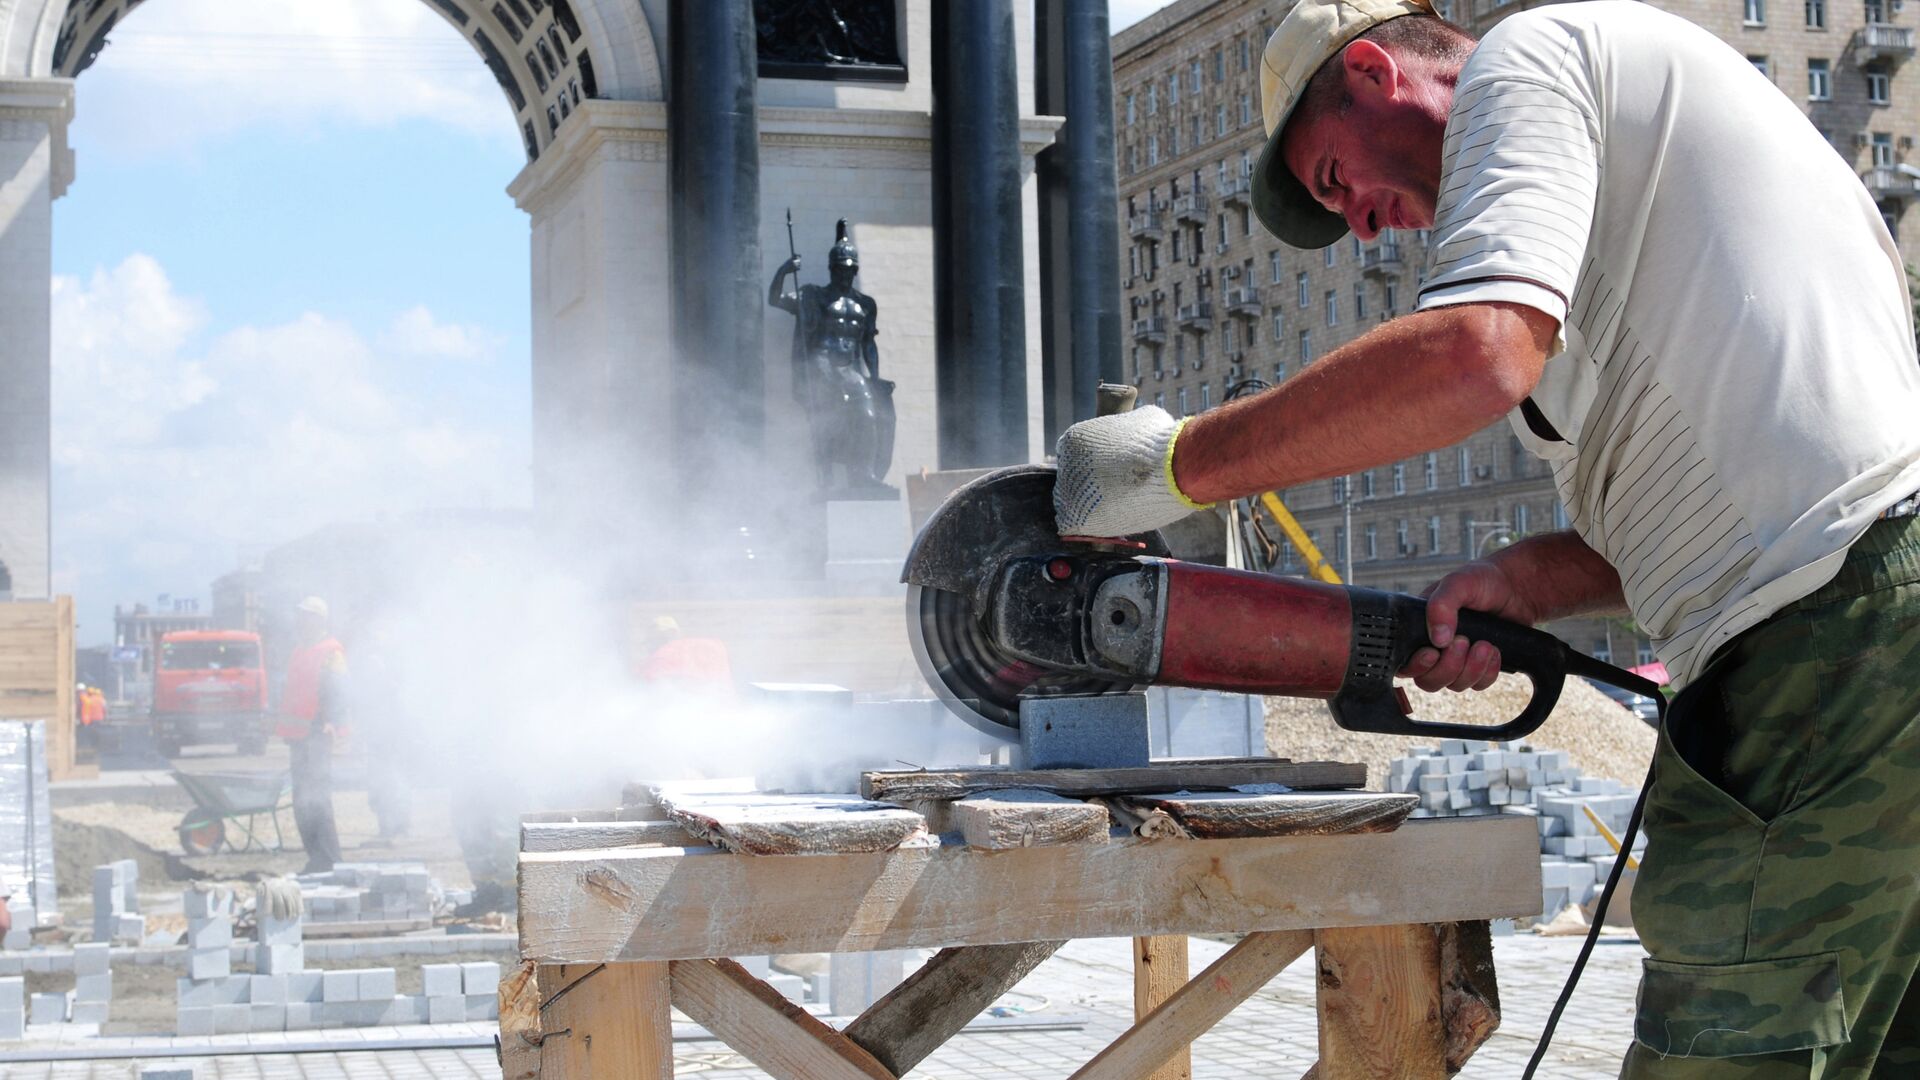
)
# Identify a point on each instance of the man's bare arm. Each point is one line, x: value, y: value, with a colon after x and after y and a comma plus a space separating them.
x: 1417, y: 383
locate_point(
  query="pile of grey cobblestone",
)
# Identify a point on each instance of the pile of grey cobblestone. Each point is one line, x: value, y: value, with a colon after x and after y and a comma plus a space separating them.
x: 1467, y: 778
x: 370, y: 892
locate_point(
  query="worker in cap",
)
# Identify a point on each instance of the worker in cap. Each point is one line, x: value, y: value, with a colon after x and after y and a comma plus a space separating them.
x: 311, y: 718
x: 1644, y: 258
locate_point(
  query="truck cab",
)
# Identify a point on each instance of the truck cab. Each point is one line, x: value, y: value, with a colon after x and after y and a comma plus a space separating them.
x: 209, y: 686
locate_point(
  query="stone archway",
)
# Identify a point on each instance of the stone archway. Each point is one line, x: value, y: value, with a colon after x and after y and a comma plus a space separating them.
x: 556, y: 61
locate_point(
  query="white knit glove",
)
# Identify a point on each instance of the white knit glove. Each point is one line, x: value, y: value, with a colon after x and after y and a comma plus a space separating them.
x: 1116, y: 475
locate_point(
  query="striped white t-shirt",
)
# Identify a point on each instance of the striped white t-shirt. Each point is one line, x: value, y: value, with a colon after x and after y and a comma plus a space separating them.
x: 1738, y: 395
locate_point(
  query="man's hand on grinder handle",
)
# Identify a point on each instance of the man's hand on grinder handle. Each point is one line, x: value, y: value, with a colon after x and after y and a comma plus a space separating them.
x: 1453, y: 662
x: 1115, y: 475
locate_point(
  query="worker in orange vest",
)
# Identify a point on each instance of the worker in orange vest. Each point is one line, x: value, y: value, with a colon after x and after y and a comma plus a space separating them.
x: 311, y: 702
x: 696, y: 664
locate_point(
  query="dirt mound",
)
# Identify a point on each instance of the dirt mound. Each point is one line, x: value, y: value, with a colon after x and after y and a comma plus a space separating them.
x: 87, y: 836
x: 1601, y: 736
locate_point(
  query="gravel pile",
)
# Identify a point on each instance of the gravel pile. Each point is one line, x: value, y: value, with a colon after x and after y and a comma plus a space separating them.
x: 1601, y: 737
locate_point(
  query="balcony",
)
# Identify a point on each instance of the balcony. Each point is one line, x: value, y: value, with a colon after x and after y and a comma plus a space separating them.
x: 1190, y: 209
x: 1152, y: 329
x: 1197, y: 318
x: 1381, y: 260
x: 1883, y: 43
x: 1145, y: 226
x: 1244, y: 301
x: 1234, y: 189
x: 1889, y: 183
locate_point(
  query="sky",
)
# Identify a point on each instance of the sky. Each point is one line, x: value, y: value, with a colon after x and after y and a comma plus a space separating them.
x: 289, y: 289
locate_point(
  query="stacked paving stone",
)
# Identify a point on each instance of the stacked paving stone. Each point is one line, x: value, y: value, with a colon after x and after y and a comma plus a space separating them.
x: 13, y: 1008
x: 116, y: 903
x: 209, y: 933
x: 370, y: 892
x: 26, y: 831
x: 1466, y: 778
x: 92, y: 983
x: 460, y: 992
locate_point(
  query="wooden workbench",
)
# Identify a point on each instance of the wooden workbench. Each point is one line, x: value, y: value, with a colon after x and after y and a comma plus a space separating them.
x: 611, y: 936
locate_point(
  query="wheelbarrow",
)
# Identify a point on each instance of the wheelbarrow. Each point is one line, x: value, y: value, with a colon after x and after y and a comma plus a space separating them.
x: 241, y: 798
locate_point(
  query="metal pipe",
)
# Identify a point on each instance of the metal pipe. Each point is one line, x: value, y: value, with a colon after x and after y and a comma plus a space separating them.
x: 713, y: 132
x: 1079, y: 218
x: 980, y: 358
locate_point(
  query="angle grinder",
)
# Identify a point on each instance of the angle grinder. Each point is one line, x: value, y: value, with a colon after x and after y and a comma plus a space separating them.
x: 1000, y: 607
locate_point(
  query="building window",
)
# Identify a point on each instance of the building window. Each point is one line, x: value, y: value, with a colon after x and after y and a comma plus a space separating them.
x: 1193, y: 77
x: 1130, y: 110
x: 1220, y: 64
x: 1756, y: 12
x: 1199, y: 131
x: 1400, y: 537
x: 1559, y: 514
x: 1173, y: 90
x: 1603, y: 651
x: 1430, y: 470
x: 1273, y: 266
x: 1816, y: 14
x: 1206, y: 396
x: 1359, y: 300
x: 1879, y: 87
x: 1246, y: 109
x: 1160, y: 399
x: 1300, y: 285
x: 1219, y: 119
x: 1643, y: 653
x: 1819, y: 80
x: 1246, y: 54
x: 1882, y: 150
x: 1153, y: 149
x: 1373, y: 542
x: 1246, y: 163
x: 1876, y: 11
x: 1279, y: 374
x: 1279, y: 325
x: 1153, y: 98
x: 1340, y: 549
x: 1306, y: 347
x: 1393, y: 297
x: 1760, y: 65
x: 1366, y: 484
x: 1339, y: 490
x: 1520, y: 519
x: 1333, y: 308
x: 1466, y: 466
x: 1433, y: 535
x: 1399, y: 478
x: 1331, y: 253
x: 1227, y: 336
x: 1183, y: 401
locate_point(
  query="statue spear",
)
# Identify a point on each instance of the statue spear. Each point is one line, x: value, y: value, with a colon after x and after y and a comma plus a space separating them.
x: 791, y: 250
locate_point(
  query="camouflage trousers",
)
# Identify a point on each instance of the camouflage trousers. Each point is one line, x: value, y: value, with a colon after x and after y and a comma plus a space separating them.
x: 1779, y: 900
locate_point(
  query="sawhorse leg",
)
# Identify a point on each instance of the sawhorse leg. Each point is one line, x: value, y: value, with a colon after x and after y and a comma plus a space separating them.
x: 586, y: 1022
x: 1379, y: 1001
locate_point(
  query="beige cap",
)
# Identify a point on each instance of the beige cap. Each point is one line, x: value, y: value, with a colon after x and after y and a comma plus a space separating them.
x: 313, y: 605
x: 1312, y: 33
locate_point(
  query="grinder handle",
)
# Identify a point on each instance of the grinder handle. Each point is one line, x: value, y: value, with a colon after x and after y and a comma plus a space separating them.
x: 1389, y: 627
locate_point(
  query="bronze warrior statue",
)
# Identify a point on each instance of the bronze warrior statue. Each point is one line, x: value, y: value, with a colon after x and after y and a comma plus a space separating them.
x: 836, y: 373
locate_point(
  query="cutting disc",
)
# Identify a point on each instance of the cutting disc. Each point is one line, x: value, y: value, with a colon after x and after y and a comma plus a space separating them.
x: 949, y: 574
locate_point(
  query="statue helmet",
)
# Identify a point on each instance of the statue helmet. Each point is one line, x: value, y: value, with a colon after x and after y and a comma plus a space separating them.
x: 842, y: 253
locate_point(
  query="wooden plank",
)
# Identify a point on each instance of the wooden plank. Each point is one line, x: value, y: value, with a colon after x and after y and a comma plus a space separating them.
x: 1469, y: 993
x: 934, y: 1003
x: 520, y: 1023
x: 1028, y: 818
x: 793, y: 824
x: 62, y: 734
x: 1217, y: 775
x: 1159, y: 971
x: 1379, y: 1004
x: 671, y: 903
x: 586, y: 835
x: 1220, y: 815
x: 608, y: 1022
x: 759, y: 1023
x: 1197, y: 1006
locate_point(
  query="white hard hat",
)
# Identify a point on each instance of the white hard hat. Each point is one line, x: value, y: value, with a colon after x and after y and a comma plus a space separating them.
x: 313, y: 605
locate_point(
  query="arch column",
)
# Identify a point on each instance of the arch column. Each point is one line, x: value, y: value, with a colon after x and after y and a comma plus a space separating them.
x: 35, y: 168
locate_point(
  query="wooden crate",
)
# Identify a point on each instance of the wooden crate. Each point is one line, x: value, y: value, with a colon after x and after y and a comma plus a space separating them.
x: 37, y: 673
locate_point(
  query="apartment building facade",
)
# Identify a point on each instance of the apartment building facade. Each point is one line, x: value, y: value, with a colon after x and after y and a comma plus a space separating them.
x: 1217, y: 306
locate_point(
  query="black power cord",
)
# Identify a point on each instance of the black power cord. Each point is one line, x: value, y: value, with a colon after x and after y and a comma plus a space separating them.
x: 1612, y: 676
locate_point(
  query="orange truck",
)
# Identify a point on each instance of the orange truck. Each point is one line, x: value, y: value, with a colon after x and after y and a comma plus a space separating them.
x: 209, y: 686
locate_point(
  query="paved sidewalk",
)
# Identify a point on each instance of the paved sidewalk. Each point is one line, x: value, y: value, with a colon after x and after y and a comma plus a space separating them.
x: 1271, y: 1035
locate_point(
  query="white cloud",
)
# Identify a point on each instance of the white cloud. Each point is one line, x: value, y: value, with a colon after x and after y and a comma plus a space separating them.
x: 1124, y: 13
x: 177, y: 74
x: 176, y: 443
x: 415, y: 332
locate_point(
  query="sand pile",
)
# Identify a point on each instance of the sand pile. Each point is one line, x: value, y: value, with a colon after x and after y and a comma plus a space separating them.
x: 1603, y: 738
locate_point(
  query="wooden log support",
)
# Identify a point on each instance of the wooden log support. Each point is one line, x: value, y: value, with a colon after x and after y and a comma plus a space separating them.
x: 1197, y: 1006
x: 1380, y: 1004
x: 944, y: 996
x: 1469, y: 992
x: 1205, y: 775
x: 1028, y: 818
x: 792, y: 824
x: 1159, y: 971
x: 520, y: 1023
x: 1221, y: 816
x: 604, y: 1020
x: 668, y: 903
x: 759, y: 1022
